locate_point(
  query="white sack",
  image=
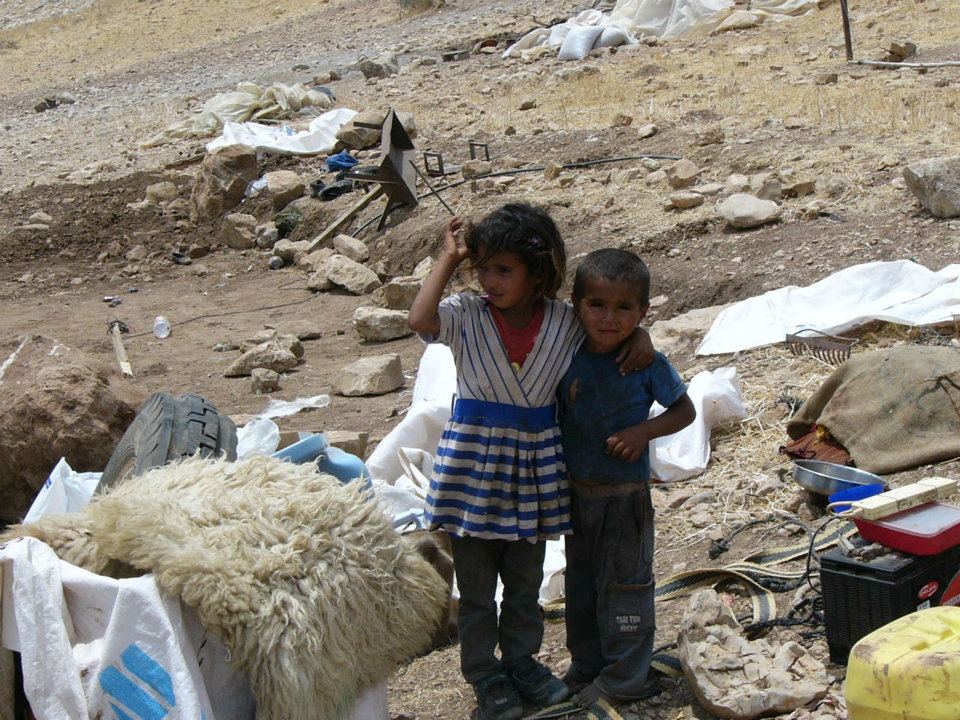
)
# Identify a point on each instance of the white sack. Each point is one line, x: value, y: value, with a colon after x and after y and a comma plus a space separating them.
x: 579, y: 42
x: 260, y: 436
x: 423, y: 424
x: 685, y: 454
x: 318, y: 138
x: 65, y: 491
x: 899, y: 292
x: 89, y: 643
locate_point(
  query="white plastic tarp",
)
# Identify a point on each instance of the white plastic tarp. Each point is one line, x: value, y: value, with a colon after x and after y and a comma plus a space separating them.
x: 899, y: 292
x: 65, y: 491
x: 319, y: 137
x: 631, y: 20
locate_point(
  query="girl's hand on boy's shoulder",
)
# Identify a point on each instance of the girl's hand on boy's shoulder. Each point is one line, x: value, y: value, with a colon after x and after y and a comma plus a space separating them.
x: 628, y: 444
x: 452, y: 247
x: 637, y: 352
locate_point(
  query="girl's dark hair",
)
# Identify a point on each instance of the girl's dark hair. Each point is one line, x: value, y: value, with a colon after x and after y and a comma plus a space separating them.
x: 528, y: 232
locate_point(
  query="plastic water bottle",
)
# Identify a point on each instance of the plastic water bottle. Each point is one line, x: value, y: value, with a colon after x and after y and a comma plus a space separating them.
x: 161, y: 327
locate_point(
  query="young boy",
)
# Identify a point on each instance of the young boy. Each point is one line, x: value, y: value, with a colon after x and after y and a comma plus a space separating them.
x: 603, y: 416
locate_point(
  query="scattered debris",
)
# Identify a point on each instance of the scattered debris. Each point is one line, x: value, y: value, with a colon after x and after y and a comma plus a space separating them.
x: 736, y: 678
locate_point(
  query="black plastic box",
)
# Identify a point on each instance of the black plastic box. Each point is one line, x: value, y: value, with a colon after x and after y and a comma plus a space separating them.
x: 859, y: 597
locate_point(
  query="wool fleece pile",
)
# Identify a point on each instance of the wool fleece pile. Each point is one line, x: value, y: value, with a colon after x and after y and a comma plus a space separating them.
x: 303, y: 579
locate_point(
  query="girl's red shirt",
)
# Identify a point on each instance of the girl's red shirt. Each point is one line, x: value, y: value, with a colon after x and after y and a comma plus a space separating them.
x: 518, y: 342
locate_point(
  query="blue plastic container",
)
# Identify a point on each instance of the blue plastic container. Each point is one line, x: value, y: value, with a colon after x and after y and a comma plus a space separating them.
x: 313, y: 447
x: 855, y: 493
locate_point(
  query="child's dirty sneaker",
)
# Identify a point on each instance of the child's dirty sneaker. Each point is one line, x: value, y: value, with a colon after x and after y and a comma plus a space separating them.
x: 576, y: 680
x: 497, y: 698
x: 537, y: 685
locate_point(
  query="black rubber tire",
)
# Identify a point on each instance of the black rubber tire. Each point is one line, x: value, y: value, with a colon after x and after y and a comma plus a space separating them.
x: 170, y: 428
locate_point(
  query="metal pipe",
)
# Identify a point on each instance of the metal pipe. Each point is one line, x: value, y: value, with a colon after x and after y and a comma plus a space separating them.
x: 847, y: 39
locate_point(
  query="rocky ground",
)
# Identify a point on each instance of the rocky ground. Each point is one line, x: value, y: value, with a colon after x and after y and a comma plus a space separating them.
x: 773, y: 110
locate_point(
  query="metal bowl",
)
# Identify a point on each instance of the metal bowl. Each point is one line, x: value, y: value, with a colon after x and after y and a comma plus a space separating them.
x: 827, y: 478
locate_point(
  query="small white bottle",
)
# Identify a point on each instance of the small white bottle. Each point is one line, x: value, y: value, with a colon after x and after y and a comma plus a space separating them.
x: 161, y: 327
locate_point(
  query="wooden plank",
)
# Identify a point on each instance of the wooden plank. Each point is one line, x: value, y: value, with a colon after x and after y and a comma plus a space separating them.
x: 119, y: 350
x: 350, y: 213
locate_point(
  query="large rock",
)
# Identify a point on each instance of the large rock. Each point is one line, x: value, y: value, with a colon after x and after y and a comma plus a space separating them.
x: 379, y: 325
x: 383, y: 65
x: 271, y: 355
x: 289, y: 251
x: 283, y: 187
x: 300, y: 329
x: 222, y: 181
x: 374, y: 375
x: 361, y: 138
x: 288, y: 341
x: 239, y: 231
x: 735, y: 678
x: 354, y: 249
x: 742, y: 211
x: 351, y: 276
x: 399, y: 293
x: 57, y: 402
x: 682, y: 174
x: 936, y: 183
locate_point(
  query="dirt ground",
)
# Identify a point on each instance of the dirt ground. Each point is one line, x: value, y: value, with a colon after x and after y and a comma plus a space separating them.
x: 135, y: 67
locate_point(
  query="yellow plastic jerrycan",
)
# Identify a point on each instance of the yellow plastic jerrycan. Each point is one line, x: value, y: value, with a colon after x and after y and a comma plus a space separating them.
x: 907, y: 670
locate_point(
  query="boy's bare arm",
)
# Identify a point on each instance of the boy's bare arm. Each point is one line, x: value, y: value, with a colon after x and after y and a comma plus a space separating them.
x: 628, y: 444
x: 423, y: 316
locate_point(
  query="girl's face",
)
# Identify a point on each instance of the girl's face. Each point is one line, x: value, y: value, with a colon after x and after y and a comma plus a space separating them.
x: 507, y: 281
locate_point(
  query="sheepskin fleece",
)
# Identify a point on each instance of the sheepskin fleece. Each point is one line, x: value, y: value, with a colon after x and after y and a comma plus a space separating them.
x: 304, y: 580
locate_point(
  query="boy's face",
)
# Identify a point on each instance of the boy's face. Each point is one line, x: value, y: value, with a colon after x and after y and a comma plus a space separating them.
x: 609, y: 311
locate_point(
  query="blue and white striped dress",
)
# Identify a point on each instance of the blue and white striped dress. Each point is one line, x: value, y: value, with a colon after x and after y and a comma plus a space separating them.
x: 499, y: 471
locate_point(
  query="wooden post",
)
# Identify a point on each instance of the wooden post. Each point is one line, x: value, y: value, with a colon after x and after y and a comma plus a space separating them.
x: 119, y: 350
x: 333, y: 227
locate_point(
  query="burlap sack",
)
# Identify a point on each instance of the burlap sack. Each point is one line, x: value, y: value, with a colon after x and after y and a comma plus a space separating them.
x: 891, y: 409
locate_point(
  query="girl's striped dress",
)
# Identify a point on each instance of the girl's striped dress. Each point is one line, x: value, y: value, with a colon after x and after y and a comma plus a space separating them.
x: 499, y: 471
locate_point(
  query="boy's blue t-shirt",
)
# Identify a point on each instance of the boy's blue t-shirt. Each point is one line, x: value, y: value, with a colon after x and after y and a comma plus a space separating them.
x: 595, y: 401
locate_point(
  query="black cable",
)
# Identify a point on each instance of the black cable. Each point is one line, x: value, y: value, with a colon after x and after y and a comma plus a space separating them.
x: 813, y: 541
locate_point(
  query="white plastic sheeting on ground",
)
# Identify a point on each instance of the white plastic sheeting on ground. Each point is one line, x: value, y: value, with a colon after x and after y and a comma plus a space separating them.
x: 899, y: 292
x: 631, y: 20
x: 319, y: 137
x: 248, y: 102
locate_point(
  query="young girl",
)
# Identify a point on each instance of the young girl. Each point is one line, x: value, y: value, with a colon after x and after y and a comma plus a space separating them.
x: 499, y: 485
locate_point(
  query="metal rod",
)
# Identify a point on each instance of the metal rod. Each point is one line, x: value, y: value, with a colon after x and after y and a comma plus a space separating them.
x: 882, y: 63
x: 427, y: 183
x: 847, y: 39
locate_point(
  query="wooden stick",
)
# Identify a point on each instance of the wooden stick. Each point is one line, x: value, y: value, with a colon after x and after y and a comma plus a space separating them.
x: 915, y: 65
x: 119, y: 350
x: 333, y: 227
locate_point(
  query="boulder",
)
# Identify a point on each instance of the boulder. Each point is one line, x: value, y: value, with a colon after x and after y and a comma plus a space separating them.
x: 475, y: 168
x: 239, y: 231
x: 374, y: 375
x: 399, y: 293
x: 767, y: 186
x: 358, y: 138
x: 379, y: 325
x: 267, y: 235
x: 288, y: 341
x: 57, y: 402
x: 351, y: 276
x: 271, y: 355
x: 222, y: 181
x: 283, y: 187
x: 311, y: 262
x: 382, y: 66
x: 936, y: 183
x: 352, y: 248
x: 648, y: 130
x: 736, y: 183
x: 682, y: 174
x: 263, y: 380
x: 742, y: 211
x: 289, y: 251
x: 732, y: 677
x: 685, y: 199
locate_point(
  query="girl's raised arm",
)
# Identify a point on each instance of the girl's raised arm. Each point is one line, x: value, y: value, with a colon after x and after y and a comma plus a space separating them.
x: 423, y: 317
